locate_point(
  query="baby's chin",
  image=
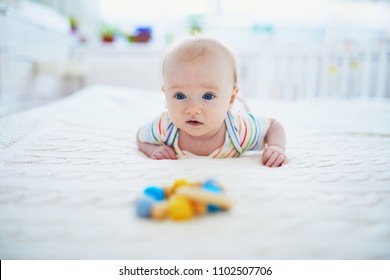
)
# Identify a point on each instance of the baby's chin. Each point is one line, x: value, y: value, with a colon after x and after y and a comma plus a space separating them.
x: 196, y: 131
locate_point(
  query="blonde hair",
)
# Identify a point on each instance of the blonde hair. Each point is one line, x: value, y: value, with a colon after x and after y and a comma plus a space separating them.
x: 193, y: 48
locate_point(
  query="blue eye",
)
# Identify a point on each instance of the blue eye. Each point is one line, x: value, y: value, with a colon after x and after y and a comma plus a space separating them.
x: 180, y: 96
x: 208, y: 96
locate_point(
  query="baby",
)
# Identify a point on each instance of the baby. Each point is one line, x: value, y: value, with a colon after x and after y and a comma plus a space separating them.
x: 200, y: 87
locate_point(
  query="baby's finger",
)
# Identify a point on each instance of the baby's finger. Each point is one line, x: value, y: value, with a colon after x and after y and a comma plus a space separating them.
x: 165, y: 154
x: 169, y: 153
x: 156, y: 155
x: 266, y: 155
x: 279, y: 160
x: 272, y: 159
x: 172, y: 154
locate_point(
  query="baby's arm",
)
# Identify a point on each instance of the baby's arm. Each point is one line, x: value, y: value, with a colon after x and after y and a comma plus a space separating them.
x: 156, y: 151
x: 274, y: 154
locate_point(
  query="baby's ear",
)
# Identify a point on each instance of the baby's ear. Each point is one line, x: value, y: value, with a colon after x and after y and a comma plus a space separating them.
x: 163, y: 88
x: 235, y: 91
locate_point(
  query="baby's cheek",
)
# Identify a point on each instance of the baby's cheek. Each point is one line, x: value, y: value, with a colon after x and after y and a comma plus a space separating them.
x: 219, y: 116
x: 175, y: 118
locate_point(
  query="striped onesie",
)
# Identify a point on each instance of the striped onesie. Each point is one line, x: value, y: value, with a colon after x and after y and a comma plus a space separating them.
x: 244, y: 133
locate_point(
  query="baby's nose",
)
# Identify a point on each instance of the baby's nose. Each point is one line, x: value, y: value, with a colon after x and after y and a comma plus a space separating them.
x: 193, y: 110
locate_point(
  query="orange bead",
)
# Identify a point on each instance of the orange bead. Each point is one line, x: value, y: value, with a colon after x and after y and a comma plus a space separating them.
x: 199, y: 208
x: 167, y: 192
x: 159, y: 211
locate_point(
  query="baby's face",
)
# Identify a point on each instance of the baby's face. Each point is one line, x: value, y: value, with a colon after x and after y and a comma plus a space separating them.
x: 199, y: 93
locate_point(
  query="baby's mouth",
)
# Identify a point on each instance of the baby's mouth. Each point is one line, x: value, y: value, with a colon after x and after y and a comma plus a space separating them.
x: 194, y: 123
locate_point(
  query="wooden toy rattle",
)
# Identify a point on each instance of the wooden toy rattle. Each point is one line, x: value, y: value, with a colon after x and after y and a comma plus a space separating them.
x: 182, y: 201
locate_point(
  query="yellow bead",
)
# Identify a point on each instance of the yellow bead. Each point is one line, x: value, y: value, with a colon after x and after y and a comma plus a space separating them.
x: 178, y: 184
x: 180, y: 209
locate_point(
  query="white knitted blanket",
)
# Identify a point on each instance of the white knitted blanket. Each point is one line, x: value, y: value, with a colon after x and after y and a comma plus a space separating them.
x: 70, y: 173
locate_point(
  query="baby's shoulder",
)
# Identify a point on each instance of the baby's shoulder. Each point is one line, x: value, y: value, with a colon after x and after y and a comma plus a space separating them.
x: 239, y: 118
x: 166, y: 123
x: 162, y: 118
x: 242, y: 123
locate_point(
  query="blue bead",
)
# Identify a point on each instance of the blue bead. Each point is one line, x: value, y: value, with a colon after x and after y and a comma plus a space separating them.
x: 211, y: 186
x: 210, y: 181
x: 155, y: 193
x: 212, y: 208
x: 144, y: 207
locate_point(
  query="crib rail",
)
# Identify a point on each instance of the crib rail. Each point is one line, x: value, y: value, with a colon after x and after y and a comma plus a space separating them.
x: 323, y: 71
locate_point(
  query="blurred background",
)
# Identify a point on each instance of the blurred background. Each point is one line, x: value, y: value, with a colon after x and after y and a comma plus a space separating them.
x: 285, y: 49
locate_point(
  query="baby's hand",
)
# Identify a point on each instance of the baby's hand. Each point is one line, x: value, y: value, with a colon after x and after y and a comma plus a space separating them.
x: 274, y: 156
x: 163, y: 152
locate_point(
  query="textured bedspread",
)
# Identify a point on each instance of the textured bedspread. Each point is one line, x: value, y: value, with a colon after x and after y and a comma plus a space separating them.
x: 70, y: 173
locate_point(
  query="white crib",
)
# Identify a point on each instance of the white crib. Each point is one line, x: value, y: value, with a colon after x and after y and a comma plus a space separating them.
x: 290, y: 71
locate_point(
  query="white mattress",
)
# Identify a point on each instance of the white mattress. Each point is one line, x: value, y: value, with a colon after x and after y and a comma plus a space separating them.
x: 70, y: 173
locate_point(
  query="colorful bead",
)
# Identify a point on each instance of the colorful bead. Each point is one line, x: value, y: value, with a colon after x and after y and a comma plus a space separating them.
x: 180, y: 208
x: 211, y: 182
x: 159, y: 211
x: 199, y: 208
x: 154, y: 192
x: 211, y: 187
x: 179, y: 184
x: 167, y: 192
x: 144, y: 206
